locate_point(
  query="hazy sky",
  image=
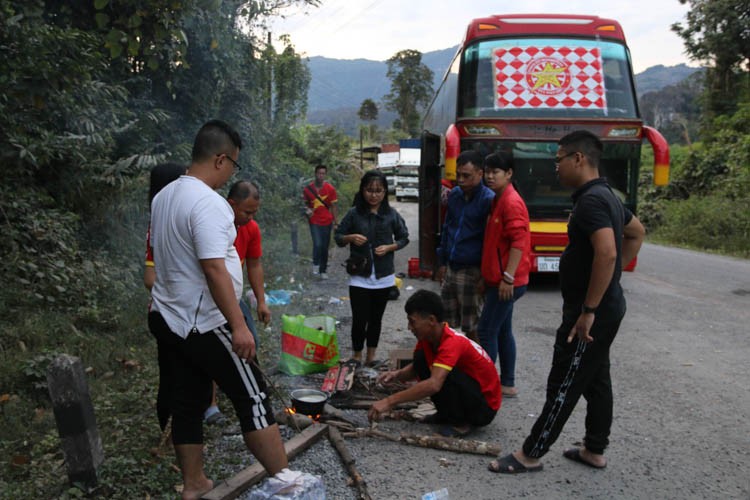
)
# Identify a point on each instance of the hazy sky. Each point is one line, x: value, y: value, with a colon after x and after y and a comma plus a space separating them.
x: 377, y: 29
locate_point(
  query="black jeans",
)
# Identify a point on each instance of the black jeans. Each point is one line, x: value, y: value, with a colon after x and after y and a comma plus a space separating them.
x: 368, y: 306
x: 460, y: 401
x: 578, y: 369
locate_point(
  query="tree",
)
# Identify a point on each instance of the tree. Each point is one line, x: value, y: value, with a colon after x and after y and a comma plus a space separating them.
x: 411, y: 89
x: 716, y: 33
x: 368, y: 111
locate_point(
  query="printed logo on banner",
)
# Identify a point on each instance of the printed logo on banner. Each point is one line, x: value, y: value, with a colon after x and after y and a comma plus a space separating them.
x: 309, y: 352
x: 549, y: 77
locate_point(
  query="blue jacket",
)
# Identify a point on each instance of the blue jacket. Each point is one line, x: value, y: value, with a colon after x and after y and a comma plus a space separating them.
x: 463, y: 230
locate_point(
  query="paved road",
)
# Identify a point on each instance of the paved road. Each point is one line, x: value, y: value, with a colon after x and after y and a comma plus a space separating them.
x: 681, y: 371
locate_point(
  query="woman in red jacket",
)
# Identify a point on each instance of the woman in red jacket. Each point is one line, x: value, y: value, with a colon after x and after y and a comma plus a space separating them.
x: 505, y: 266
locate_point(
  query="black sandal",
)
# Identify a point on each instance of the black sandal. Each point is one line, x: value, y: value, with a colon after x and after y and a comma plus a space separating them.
x: 510, y: 465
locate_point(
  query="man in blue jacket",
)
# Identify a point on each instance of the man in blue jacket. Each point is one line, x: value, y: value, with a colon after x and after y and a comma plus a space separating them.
x: 460, y: 251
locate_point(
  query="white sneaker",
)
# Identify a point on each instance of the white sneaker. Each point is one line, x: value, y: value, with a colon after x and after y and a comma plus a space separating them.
x: 315, y: 270
x: 324, y: 276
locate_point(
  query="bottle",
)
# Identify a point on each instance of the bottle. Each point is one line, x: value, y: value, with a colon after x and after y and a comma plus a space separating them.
x: 441, y: 494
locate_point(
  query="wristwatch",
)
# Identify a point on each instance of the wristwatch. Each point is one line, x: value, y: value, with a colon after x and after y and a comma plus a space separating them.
x: 588, y: 310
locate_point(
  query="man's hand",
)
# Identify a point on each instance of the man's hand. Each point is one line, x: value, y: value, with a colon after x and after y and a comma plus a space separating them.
x: 264, y: 313
x: 243, y: 343
x: 387, y: 377
x: 582, y: 328
x: 377, y: 410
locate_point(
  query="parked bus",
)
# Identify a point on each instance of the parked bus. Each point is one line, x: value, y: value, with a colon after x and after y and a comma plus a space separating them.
x: 518, y: 83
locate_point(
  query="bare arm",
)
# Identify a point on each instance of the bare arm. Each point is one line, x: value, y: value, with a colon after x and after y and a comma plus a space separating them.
x: 505, y: 290
x: 149, y: 277
x: 602, y: 270
x: 420, y: 390
x: 256, y: 278
x: 335, y: 213
x: 222, y: 291
x: 632, y: 239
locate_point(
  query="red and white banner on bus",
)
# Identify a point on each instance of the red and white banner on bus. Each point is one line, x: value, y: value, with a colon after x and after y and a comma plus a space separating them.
x: 549, y: 77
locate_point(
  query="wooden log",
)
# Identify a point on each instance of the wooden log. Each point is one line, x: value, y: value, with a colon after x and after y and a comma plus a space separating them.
x: 457, y: 445
x: 237, y: 484
x: 346, y: 458
x: 295, y: 421
x: 365, y: 405
x: 332, y: 411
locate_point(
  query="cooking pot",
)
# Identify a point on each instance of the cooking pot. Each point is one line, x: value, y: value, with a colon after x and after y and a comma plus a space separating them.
x: 308, y: 401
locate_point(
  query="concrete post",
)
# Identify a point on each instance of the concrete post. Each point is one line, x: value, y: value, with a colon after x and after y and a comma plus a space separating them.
x: 75, y: 419
x: 294, y: 232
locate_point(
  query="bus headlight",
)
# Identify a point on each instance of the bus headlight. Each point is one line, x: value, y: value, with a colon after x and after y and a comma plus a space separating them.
x: 624, y: 132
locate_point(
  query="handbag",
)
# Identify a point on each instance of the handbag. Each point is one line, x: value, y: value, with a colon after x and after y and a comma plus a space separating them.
x: 359, y: 265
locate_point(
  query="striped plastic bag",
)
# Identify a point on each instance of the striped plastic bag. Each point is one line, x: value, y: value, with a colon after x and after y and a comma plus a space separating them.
x: 308, y: 344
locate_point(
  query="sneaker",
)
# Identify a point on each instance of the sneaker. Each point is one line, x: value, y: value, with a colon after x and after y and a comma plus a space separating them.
x: 217, y: 418
x: 324, y: 276
x: 315, y: 270
x: 213, y: 416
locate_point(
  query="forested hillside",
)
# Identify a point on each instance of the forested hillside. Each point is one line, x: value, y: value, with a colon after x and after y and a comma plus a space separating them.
x: 92, y: 95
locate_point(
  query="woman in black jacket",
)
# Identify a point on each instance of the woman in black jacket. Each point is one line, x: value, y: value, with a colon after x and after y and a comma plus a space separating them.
x: 373, y: 231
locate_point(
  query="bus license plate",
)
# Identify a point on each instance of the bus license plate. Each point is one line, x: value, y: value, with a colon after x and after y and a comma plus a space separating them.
x: 548, y: 264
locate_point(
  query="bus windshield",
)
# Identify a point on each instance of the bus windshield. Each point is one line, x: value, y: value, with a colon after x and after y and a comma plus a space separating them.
x: 546, y: 78
x: 536, y: 178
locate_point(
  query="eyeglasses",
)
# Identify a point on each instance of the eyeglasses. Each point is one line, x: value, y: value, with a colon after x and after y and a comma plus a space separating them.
x: 237, y: 166
x: 558, y: 159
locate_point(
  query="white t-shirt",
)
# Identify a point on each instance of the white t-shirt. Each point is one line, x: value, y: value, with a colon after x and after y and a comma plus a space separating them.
x: 191, y: 222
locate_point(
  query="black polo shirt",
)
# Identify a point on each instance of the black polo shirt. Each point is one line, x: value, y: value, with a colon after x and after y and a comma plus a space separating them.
x: 595, y: 206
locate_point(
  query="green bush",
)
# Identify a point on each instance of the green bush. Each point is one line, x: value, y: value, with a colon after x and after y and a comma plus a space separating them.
x: 712, y: 222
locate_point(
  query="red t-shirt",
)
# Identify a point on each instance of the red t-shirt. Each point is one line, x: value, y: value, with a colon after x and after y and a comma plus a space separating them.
x: 321, y: 215
x: 458, y: 351
x: 248, y: 241
x: 149, y: 248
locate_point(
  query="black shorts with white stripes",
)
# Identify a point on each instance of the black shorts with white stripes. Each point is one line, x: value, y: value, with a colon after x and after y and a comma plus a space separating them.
x: 194, y: 363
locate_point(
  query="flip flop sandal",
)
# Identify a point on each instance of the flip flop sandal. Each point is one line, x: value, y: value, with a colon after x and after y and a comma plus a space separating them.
x: 509, y: 465
x: 574, y: 454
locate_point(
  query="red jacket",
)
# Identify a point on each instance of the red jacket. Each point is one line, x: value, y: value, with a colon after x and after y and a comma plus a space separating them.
x: 507, y: 227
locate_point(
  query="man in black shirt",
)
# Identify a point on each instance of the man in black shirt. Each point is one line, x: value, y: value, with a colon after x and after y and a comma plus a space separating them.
x: 603, y: 236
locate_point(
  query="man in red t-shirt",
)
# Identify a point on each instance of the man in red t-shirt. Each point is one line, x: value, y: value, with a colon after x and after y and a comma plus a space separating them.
x: 320, y: 208
x: 244, y: 198
x: 453, y: 371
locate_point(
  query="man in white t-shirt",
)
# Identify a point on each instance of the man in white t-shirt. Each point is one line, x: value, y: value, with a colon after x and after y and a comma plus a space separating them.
x: 195, y: 314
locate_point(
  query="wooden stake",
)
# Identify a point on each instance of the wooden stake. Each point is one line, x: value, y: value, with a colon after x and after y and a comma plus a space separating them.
x: 338, y: 442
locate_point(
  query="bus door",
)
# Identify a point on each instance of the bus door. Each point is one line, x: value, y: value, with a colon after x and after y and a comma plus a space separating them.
x: 429, y: 201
